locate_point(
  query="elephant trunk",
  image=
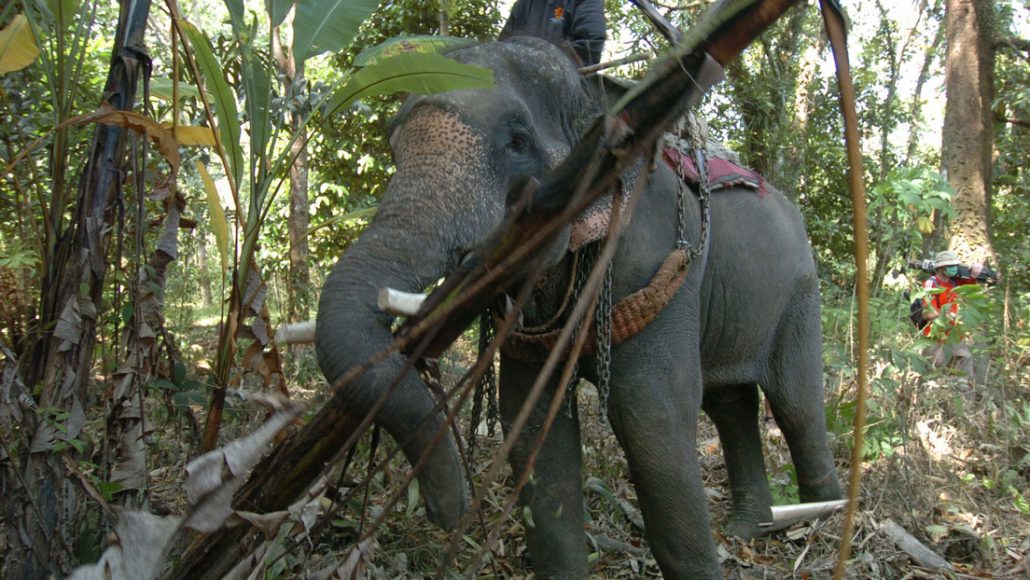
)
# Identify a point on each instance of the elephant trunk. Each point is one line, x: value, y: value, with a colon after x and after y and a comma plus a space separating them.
x: 351, y: 329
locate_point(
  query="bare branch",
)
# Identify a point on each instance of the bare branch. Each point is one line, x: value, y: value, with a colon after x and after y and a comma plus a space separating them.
x: 1013, y: 43
x: 1011, y: 121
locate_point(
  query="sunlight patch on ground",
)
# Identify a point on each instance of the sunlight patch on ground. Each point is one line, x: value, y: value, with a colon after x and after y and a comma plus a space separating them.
x: 209, y: 321
x: 937, y: 444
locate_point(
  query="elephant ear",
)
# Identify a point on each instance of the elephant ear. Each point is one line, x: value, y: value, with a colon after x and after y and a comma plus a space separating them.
x: 604, y: 91
x: 614, y: 88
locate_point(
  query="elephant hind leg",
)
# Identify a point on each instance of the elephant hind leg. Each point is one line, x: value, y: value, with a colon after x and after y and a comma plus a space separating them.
x: 795, y: 394
x: 734, y: 410
x: 804, y: 427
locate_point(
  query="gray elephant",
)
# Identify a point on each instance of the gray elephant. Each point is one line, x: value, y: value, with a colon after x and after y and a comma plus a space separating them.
x: 748, y: 317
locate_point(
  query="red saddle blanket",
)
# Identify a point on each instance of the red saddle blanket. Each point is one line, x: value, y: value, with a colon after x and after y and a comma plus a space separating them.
x: 592, y: 224
x: 722, y: 173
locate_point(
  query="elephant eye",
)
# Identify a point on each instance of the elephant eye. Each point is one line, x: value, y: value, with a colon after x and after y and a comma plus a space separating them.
x: 519, y: 142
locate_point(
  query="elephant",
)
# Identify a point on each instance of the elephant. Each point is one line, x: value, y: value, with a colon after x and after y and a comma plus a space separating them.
x: 746, y: 318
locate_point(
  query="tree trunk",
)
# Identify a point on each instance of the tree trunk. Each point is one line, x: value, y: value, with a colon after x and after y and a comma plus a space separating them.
x: 916, y: 117
x: 897, y: 55
x: 299, y: 279
x: 763, y: 91
x: 968, y: 135
x: 45, y: 511
x: 205, y: 278
x: 445, y: 24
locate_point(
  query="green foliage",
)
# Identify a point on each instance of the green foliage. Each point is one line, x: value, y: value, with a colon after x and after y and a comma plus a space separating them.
x: 352, y: 149
x: 784, y: 486
x: 224, y: 99
x: 909, y: 199
x: 61, y: 83
x: 421, y: 44
x: 328, y: 25
x: 14, y: 255
x: 1010, y: 200
x: 183, y: 390
x: 414, y: 72
x: 974, y: 308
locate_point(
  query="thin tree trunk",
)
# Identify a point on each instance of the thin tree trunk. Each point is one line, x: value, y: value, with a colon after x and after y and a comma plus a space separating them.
x: 916, y: 116
x: 45, y: 511
x: 804, y: 97
x: 968, y: 135
x: 445, y: 24
x: 896, y: 59
x: 205, y: 278
x: 766, y: 117
x: 299, y: 280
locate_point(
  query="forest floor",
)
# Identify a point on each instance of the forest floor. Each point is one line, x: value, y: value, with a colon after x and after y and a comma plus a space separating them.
x: 947, y: 462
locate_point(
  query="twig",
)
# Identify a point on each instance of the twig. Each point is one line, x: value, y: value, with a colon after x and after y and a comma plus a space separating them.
x: 612, y: 545
x: 635, y: 57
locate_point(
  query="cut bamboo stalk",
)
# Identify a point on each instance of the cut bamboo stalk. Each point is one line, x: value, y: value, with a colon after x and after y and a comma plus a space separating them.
x: 785, y: 516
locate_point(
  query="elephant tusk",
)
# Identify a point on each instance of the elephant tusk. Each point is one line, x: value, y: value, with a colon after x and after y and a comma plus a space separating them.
x: 784, y: 516
x: 296, y: 333
x: 391, y: 301
x: 397, y: 303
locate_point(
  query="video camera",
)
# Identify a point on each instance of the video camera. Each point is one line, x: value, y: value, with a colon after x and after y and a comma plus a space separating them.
x: 987, y: 275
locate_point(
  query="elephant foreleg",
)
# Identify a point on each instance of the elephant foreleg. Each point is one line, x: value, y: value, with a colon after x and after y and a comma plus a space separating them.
x: 734, y: 410
x: 554, y: 496
x: 657, y: 428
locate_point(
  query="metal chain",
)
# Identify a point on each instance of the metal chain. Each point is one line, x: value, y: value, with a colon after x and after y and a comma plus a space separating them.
x: 698, y: 140
x: 681, y: 209
x: 603, y: 324
x: 587, y: 258
x: 484, y: 387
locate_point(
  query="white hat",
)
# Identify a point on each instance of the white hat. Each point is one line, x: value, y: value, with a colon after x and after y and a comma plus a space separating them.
x: 946, y: 258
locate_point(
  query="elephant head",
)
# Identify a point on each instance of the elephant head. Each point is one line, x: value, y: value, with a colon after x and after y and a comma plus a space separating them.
x: 457, y: 155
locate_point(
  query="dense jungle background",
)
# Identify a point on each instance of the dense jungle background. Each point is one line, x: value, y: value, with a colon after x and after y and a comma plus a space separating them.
x: 146, y: 261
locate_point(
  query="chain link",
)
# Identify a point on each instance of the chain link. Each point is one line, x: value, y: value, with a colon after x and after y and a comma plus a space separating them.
x: 485, y: 388
x: 587, y: 259
x: 603, y: 324
x: 697, y: 137
x: 681, y: 209
x: 699, y: 140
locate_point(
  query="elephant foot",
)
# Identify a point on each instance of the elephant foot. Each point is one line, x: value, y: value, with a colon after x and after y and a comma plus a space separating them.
x: 745, y: 524
x: 826, y: 490
x: 745, y: 530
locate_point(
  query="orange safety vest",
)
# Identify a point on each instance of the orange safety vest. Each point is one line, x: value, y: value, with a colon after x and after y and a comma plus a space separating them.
x: 946, y: 297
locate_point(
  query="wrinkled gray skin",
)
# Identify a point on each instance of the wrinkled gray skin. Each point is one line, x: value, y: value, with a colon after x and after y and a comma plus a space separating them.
x: 751, y: 317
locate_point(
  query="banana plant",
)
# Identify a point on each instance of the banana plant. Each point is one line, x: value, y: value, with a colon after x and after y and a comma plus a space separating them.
x: 256, y: 168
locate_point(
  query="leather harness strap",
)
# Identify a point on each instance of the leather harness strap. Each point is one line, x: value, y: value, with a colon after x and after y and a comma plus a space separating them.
x: 629, y: 316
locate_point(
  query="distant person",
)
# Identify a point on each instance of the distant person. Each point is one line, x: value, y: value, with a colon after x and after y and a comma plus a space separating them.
x: 942, y: 303
x: 576, y: 24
